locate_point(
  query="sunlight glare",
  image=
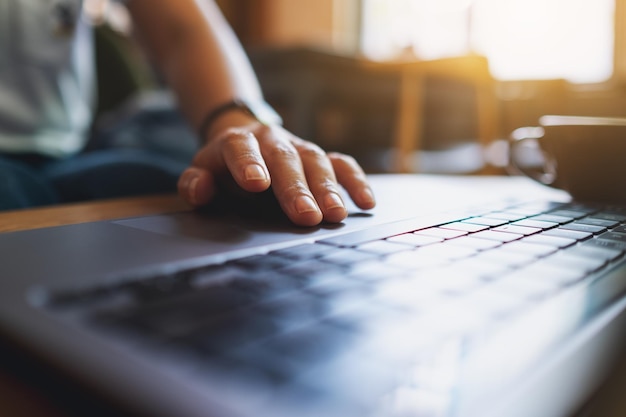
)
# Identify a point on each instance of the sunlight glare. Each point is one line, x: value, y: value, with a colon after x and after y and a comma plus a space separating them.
x: 541, y: 39
x: 523, y: 39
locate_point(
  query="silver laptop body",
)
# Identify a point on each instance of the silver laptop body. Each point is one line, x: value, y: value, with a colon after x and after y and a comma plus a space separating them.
x: 449, y: 299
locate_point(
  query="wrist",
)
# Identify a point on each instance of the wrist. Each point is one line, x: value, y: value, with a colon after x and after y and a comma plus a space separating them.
x: 230, y: 120
x: 237, y: 113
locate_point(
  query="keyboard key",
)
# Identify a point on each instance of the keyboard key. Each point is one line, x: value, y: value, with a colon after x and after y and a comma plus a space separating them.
x: 569, y: 234
x: 312, y: 268
x: 557, y: 242
x: 522, y: 284
x: 347, y: 257
x: 450, y: 321
x: 598, y: 222
x: 474, y: 243
x: 415, y: 240
x: 587, y: 228
x: 569, y: 261
x: 271, y: 285
x: 553, y: 275
x: 215, y: 275
x: 341, y: 300
x: 442, y: 233
x: 536, y: 223
x: 612, y: 236
x: 491, y: 301
x: 374, y: 271
x: 609, y: 216
x: 537, y: 251
x: 334, y: 285
x: 309, y: 345
x: 589, y: 251
x: 160, y: 287
x: 452, y: 279
x: 306, y: 251
x: 497, y: 236
x: 262, y: 262
x: 405, y: 298
x: 467, y: 227
x: 553, y: 218
x: 605, y: 243
x: 569, y: 213
x: 229, y: 332
x: 521, y: 230
x: 504, y: 215
x: 483, y: 268
x: 486, y: 221
x: 507, y: 258
x: 295, y: 311
x: 526, y: 212
x: 382, y: 247
x: 445, y: 251
x: 416, y: 260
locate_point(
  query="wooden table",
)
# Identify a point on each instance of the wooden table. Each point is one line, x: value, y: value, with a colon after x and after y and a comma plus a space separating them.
x: 92, y: 211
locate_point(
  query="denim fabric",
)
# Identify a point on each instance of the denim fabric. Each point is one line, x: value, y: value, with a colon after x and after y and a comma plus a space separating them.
x: 94, y: 175
x: 22, y: 186
x: 143, y: 153
x: 113, y: 173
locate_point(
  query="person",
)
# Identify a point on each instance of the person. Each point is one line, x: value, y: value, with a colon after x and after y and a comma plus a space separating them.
x: 46, y: 96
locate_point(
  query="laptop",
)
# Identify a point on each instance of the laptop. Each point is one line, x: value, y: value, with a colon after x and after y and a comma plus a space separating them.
x: 457, y: 296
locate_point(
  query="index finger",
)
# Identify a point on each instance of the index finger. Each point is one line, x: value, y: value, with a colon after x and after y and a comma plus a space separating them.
x: 289, y: 180
x: 238, y: 153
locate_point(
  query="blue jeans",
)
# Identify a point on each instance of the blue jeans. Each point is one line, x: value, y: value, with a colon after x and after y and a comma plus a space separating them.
x: 94, y: 175
x: 144, y: 154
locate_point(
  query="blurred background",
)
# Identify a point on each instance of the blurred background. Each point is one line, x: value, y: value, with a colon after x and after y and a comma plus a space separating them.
x: 403, y: 85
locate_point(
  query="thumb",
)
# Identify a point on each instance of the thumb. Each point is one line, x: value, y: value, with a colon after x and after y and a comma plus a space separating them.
x: 196, y: 186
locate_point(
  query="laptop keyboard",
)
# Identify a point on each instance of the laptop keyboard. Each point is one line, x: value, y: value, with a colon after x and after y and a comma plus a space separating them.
x: 290, y: 318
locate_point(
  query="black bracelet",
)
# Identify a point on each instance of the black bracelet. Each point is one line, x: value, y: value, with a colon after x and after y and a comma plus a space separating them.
x: 210, y: 118
x: 260, y: 111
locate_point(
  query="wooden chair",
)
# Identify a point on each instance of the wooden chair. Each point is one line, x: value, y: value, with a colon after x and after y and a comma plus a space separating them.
x: 408, y: 135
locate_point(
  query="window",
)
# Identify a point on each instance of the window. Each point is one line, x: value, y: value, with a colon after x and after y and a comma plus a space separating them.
x: 523, y: 39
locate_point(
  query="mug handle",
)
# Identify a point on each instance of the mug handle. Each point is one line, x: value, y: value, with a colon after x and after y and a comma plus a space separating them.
x: 524, y: 143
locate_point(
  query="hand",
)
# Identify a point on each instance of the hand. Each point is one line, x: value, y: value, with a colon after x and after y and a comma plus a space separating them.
x: 304, y: 178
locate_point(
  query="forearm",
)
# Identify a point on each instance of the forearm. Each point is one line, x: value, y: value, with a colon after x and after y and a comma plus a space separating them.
x: 203, y: 62
x: 195, y: 49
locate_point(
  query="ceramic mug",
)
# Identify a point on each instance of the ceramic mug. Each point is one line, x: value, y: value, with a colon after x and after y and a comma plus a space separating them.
x: 585, y: 156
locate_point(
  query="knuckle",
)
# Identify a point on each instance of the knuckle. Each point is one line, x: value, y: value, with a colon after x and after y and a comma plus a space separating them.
x: 264, y: 130
x: 282, y: 150
x: 342, y: 157
x: 311, y: 150
x: 327, y: 184
x: 239, y: 145
x: 295, y: 188
x: 235, y: 137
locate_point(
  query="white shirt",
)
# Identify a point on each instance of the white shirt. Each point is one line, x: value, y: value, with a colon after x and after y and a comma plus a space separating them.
x: 47, y: 76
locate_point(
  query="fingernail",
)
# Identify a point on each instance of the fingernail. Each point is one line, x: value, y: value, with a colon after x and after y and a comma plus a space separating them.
x: 191, y: 189
x: 333, y: 201
x: 305, y: 204
x: 255, y: 172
